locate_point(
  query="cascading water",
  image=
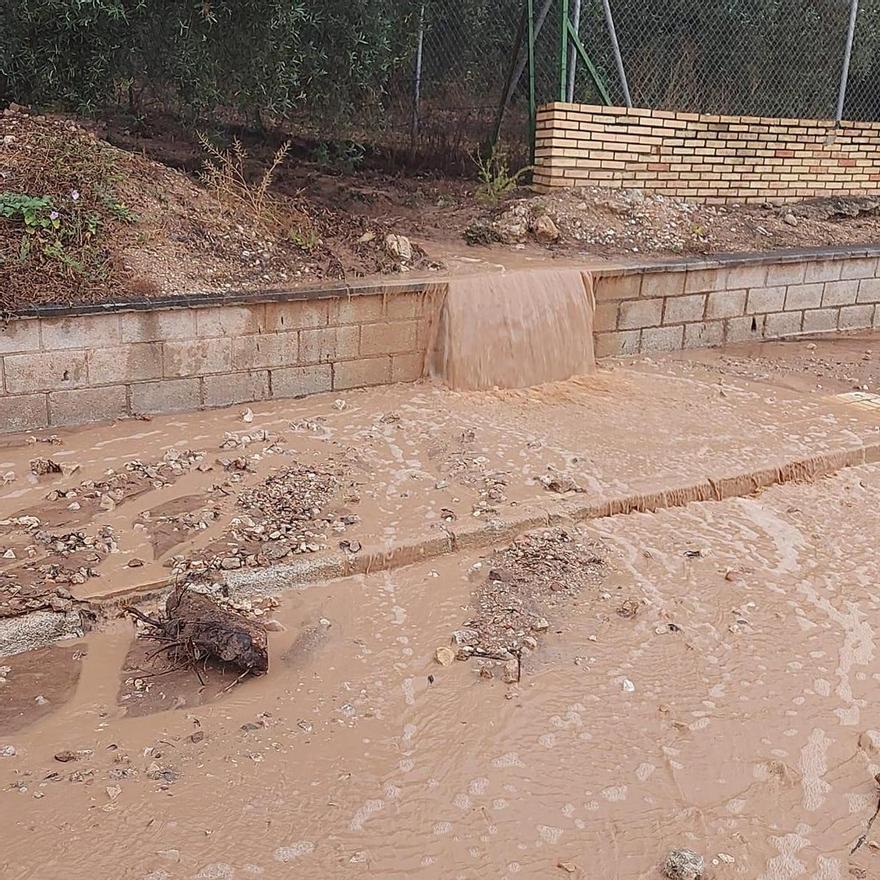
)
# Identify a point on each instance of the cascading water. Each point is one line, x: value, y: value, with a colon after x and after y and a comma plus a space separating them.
x: 514, y: 330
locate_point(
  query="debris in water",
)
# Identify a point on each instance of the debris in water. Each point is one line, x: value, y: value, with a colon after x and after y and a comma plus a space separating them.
x: 7, y: 751
x: 444, y: 656
x: 683, y: 864
x: 42, y: 466
x: 247, y: 415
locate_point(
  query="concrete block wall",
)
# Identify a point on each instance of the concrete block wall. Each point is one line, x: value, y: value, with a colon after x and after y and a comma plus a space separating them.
x: 712, y: 159
x: 71, y: 369
x: 680, y: 306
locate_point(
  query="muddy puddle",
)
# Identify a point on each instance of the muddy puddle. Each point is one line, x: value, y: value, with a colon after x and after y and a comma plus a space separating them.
x: 729, y: 709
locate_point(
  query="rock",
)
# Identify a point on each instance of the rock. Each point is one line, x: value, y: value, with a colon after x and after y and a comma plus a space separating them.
x: 790, y: 220
x: 7, y: 751
x: 56, y: 603
x: 42, y: 466
x: 399, y: 247
x: 444, y: 656
x: 544, y: 229
x: 869, y: 742
x: 465, y: 636
x: 339, y: 404
x: 228, y: 563
x: 541, y: 624
x: 511, y: 672
x: 134, y: 562
x: 683, y: 864
x: 69, y: 469
x: 247, y: 415
x: 197, y: 736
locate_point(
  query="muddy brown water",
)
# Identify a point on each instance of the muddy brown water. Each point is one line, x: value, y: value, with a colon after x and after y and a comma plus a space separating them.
x: 743, y: 733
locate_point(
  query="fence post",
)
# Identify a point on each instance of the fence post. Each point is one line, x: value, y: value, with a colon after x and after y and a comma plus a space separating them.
x: 572, y: 52
x: 847, y: 54
x: 417, y: 83
x: 563, y: 51
x: 618, y: 60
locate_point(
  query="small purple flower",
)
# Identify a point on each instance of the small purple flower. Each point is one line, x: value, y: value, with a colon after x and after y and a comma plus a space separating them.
x: 75, y: 195
x: 54, y: 215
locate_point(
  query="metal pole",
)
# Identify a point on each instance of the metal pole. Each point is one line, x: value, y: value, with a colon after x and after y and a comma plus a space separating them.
x: 572, y: 57
x: 844, y: 73
x: 533, y: 107
x: 417, y: 81
x: 563, y: 51
x: 618, y: 60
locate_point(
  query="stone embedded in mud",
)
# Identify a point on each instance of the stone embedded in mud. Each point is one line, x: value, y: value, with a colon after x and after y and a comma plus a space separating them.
x: 7, y: 751
x: 683, y: 864
x: 544, y: 229
x: 465, y: 636
x: 444, y: 656
x: 512, y: 672
x: 869, y: 742
x: 65, y: 756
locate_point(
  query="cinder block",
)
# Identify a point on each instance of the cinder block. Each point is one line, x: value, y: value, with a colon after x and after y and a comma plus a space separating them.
x: 196, y: 357
x: 744, y: 277
x: 404, y: 306
x: 327, y: 344
x: 230, y: 320
x: 663, y: 283
x: 167, y: 396
x: 876, y: 316
x: 23, y: 412
x: 765, y: 299
x: 725, y: 304
x: 157, y: 326
x: 662, y: 339
x: 614, y: 287
x: 703, y: 334
x: 803, y: 296
x: 389, y: 337
x: 261, y: 350
x: 617, y: 344
x: 357, y: 374
x: 640, y: 313
x: 85, y: 331
x: 823, y: 270
x: 785, y: 273
x: 869, y: 290
x: 605, y: 317
x: 705, y: 280
x: 783, y: 324
x: 821, y: 320
x: 300, y: 381
x: 680, y: 309
x: 856, y: 317
x: 235, y: 388
x: 356, y: 309
x: 19, y: 335
x: 87, y: 405
x: 296, y: 315
x: 125, y: 363
x: 859, y: 267
x: 744, y: 329
x: 407, y: 367
x: 52, y: 371
x: 840, y: 293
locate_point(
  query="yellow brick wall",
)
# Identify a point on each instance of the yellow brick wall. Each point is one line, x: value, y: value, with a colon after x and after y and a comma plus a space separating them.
x: 713, y: 159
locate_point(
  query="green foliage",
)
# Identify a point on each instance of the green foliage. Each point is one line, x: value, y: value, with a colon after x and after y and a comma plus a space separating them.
x: 340, y: 157
x: 494, y: 175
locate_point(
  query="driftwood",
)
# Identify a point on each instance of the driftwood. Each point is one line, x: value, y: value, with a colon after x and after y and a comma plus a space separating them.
x: 195, y: 628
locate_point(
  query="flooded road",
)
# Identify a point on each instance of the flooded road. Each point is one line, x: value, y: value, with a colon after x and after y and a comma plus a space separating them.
x: 743, y: 731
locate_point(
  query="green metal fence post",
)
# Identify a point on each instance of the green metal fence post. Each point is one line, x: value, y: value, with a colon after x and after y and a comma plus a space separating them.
x: 563, y: 51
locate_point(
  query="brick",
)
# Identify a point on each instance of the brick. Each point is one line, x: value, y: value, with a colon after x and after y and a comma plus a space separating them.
x: 356, y: 309
x: 703, y: 334
x: 327, y: 344
x: 640, y: 313
x: 87, y: 405
x: 51, y: 371
x: 823, y: 270
x: 157, y: 326
x: 783, y: 324
x: 862, y: 267
x: 785, y: 273
x: 23, y: 412
x: 821, y: 320
x: 869, y: 291
x: 404, y: 306
x: 680, y: 309
x: 704, y: 280
x: 235, y: 388
x: 407, y: 367
x: 262, y: 350
x: 840, y: 293
x: 86, y: 331
x: 613, y: 287
x: 662, y: 339
x: 196, y: 357
x: 230, y: 320
x: 605, y: 317
x: 356, y: 374
x: 876, y: 316
x: 125, y: 363
x: 856, y: 317
x: 19, y: 335
x: 744, y: 329
x: 166, y: 396
x: 803, y: 296
x: 725, y: 304
x: 617, y: 344
x: 300, y: 381
x: 737, y: 277
x: 389, y: 337
x: 663, y: 284
x: 765, y: 299
x: 297, y: 315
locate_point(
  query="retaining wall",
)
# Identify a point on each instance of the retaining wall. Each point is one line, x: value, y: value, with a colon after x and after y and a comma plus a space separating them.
x: 94, y: 363
x: 714, y: 159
